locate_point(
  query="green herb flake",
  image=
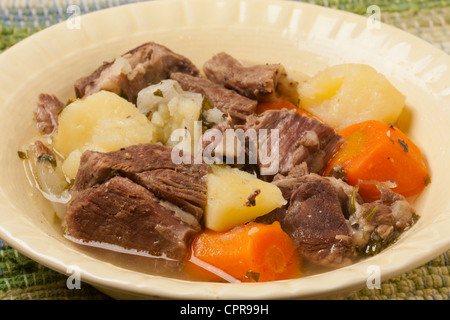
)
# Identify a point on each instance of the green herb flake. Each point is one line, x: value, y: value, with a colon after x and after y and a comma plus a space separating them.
x: 415, y: 218
x: 369, y: 214
x: 71, y: 100
x: 123, y: 94
x: 49, y: 158
x: 403, y: 144
x: 427, y: 180
x: 206, y: 104
x: 374, y: 247
x: 158, y: 93
x: 353, y: 200
x: 112, y: 173
x: 69, y: 184
x: 338, y: 172
x: 22, y: 155
x: 252, y: 275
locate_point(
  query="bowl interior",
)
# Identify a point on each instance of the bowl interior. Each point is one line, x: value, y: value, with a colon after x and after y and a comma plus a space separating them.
x: 304, y: 38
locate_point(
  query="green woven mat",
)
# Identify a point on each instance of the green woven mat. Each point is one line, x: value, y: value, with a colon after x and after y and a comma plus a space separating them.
x: 22, y: 278
x: 25, y: 279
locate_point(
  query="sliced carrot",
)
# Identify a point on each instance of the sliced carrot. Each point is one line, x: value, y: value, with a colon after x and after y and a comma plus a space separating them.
x: 248, y: 253
x: 279, y: 104
x: 379, y: 153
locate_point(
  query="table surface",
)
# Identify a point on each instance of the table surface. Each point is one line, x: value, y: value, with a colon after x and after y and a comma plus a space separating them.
x: 24, y: 279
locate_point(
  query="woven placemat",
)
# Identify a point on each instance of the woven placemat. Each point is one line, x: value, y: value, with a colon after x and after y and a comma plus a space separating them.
x: 24, y: 279
x: 429, y: 20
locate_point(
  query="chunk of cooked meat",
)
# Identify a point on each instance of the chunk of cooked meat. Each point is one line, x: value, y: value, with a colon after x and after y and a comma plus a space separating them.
x: 348, y: 195
x: 288, y: 184
x: 300, y: 139
x: 151, y: 166
x: 46, y: 113
x: 227, y: 101
x: 381, y: 221
x: 259, y: 82
x: 186, y: 190
x: 123, y: 213
x: 320, y: 206
x: 314, y: 220
x: 138, y: 198
x: 135, y: 70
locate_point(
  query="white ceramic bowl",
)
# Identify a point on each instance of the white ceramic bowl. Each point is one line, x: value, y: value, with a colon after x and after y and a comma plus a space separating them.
x: 303, y: 38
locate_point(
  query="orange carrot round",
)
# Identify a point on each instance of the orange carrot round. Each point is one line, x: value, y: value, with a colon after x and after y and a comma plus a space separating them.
x: 253, y: 252
x: 379, y: 153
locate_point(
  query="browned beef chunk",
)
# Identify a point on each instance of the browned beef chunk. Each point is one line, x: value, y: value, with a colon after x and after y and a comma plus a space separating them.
x: 227, y: 101
x: 123, y: 213
x: 314, y: 220
x: 135, y: 70
x: 259, y: 82
x: 348, y: 195
x: 46, y: 113
x: 150, y: 165
x: 138, y: 198
x: 288, y: 184
x: 321, y: 209
x: 376, y: 224
x: 300, y: 139
x: 186, y: 190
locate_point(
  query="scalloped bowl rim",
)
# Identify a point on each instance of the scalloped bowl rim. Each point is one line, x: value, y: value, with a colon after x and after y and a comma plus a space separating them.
x: 33, y: 239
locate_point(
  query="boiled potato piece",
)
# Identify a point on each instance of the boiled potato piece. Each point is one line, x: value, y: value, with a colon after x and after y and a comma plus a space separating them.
x: 345, y: 94
x: 101, y: 122
x: 235, y: 197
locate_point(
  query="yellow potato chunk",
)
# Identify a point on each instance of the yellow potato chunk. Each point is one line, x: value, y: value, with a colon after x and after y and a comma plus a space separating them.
x: 345, y: 94
x: 235, y: 197
x: 101, y: 122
